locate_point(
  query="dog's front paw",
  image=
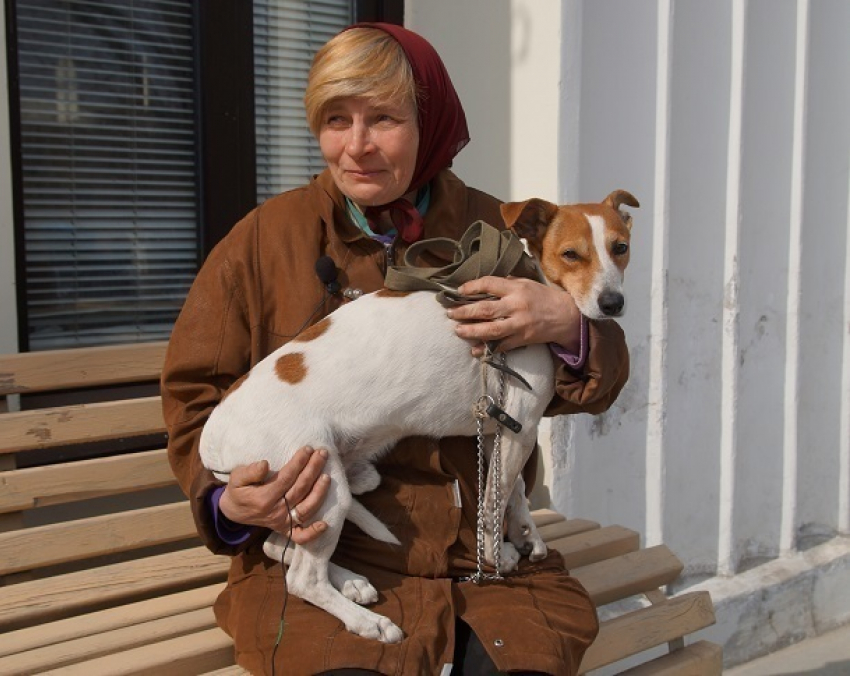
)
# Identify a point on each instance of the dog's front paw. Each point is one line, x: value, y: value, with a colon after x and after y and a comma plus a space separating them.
x: 527, y: 540
x: 509, y: 558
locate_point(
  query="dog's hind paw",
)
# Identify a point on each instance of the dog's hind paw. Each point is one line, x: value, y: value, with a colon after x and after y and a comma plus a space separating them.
x: 390, y: 633
x: 352, y: 586
x: 384, y: 630
x: 360, y: 591
x: 367, y: 624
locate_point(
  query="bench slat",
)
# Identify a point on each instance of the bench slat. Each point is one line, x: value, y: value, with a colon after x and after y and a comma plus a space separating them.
x: 699, y: 658
x: 565, y: 528
x: 596, y: 545
x: 57, y: 484
x: 82, y: 367
x: 193, y: 654
x: 38, y: 601
x: 646, y: 628
x: 628, y: 575
x: 83, y: 423
x: 106, y: 643
x: 81, y: 626
x: 542, y: 517
x: 32, y: 548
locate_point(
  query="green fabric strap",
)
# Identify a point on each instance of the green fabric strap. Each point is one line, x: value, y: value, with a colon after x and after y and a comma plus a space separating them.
x: 483, y: 250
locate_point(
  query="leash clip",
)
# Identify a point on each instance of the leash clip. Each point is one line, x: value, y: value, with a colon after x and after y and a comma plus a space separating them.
x: 486, y: 407
x: 482, y: 406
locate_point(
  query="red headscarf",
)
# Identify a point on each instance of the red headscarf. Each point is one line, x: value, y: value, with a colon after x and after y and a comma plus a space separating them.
x: 442, y: 123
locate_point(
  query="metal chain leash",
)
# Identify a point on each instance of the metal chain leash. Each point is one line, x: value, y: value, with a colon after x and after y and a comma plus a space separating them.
x: 496, y: 461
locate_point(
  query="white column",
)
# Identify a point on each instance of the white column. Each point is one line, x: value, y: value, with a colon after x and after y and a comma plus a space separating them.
x: 535, y: 86
x: 788, y: 526
x: 729, y: 360
x: 844, y: 444
x: 657, y: 412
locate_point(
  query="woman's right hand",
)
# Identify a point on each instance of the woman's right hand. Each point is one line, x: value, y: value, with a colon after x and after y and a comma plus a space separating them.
x: 255, y: 498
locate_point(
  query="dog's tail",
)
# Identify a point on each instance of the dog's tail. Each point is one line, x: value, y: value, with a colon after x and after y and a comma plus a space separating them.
x: 369, y: 523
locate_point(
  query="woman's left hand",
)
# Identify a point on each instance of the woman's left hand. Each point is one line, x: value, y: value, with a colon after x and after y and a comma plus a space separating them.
x: 525, y: 312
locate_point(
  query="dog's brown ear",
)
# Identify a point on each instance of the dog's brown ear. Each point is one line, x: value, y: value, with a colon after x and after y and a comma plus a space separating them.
x: 618, y: 197
x: 529, y: 220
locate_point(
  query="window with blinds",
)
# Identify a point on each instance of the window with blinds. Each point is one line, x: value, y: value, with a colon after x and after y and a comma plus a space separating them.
x: 286, y: 35
x: 107, y: 124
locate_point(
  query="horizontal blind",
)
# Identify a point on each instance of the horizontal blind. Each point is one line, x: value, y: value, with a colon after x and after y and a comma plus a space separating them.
x: 286, y: 35
x: 108, y: 164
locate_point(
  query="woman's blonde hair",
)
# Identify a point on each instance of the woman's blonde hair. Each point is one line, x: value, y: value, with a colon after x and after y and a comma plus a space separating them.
x: 360, y: 62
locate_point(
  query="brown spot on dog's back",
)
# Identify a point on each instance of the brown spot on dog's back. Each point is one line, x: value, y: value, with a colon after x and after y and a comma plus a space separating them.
x: 391, y: 293
x: 313, y: 332
x: 290, y: 368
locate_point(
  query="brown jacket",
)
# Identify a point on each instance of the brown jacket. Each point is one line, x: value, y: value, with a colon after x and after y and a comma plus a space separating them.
x: 256, y: 291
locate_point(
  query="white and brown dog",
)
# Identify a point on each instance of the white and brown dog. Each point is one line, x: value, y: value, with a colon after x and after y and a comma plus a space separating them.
x: 310, y: 391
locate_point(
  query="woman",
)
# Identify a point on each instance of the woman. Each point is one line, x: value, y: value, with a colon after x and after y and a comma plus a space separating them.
x: 389, y: 123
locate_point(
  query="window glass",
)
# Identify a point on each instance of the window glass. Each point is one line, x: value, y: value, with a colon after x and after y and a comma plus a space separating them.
x: 107, y: 120
x: 286, y: 35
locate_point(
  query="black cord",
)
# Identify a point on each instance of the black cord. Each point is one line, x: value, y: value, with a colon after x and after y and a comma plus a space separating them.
x: 325, y: 298
x: 285, y: 590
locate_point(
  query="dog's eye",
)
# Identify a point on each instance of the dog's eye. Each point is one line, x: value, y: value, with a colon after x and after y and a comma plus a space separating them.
x: 619, y: 248
x: 570, y: 255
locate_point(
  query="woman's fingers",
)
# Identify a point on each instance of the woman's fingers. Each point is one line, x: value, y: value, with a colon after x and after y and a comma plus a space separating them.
x: 304, y: 534
x: 247, y: 475
x: 524, y: 312
x: 296, y: 486
x: 289, y: 473
x: 309, y: 505
x: 503, y: 319
x: 252, y: 497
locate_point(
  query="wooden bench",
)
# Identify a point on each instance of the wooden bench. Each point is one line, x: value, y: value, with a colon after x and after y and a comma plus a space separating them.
x: 102, y: 571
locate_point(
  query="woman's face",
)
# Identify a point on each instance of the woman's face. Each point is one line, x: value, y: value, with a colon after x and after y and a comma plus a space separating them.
x: 370, y: 148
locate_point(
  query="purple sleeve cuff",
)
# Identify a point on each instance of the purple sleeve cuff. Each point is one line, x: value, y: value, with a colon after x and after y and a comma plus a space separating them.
x: 230, y: 533
x: 574, y: 361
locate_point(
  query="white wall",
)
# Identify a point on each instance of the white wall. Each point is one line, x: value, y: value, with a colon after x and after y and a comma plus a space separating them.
x: 8, y: 305
x: 730, y: 121
x: 504, y: 59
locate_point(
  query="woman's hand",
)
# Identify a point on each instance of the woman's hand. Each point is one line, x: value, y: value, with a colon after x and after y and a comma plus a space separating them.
x: 253, y: 498
x: 525, y: 312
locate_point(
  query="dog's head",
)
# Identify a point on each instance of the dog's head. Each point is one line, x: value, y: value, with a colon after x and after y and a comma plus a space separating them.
x: 583, y: 248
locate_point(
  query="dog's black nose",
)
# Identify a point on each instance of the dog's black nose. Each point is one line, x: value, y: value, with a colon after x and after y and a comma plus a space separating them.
x: 611, y: 303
